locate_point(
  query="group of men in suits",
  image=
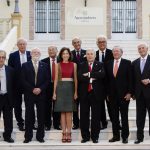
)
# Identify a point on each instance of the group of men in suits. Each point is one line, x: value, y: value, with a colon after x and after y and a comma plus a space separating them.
x: 102, y: 76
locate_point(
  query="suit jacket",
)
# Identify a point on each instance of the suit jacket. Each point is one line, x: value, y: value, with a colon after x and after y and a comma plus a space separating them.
x: 10, y: 84
x: 122, y: 83
x: 98, y: 73
x: 49, y: 90
x: 138, y: 87
x: 82, y: 56
x: 108, y: 55
x: 14, y: 62
x: 28, y: 78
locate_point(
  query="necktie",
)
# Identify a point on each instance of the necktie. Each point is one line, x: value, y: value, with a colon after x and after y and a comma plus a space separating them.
x: 78, y: 55
x: 103, y: 57
x: 142, y: 65
x: 36, y: 71
x: 53, y: 69
x: 90, y: 84
x: 115, y: 68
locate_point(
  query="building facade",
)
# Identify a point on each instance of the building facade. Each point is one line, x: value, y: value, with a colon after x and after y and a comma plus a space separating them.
x: 64, y: 19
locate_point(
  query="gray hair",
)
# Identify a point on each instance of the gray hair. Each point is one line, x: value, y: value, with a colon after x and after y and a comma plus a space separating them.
x: 76, y: 38
x: 101, y: 37
x: 117, y: 46
x: 143, y: 43
x: 3, y: 51
x: 92, y: 50
x: 21, y: 39
x: 52, y: 47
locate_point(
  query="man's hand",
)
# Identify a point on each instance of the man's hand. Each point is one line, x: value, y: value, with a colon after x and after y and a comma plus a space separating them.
x: 128, y: 97
x: 145, y: 81
x: 36, y: 91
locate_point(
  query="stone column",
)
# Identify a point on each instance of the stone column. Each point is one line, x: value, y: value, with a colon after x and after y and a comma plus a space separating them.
x: 16, y: 19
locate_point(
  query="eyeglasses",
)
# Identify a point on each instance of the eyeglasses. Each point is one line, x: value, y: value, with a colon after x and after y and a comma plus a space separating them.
x: 2, y: 57
x: 99, y: 42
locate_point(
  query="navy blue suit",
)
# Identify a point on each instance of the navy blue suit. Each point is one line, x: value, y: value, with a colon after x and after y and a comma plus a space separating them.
x: 28, y: 82
x: 15, y: 62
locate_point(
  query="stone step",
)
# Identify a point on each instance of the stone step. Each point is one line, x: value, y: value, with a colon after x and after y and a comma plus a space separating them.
x: 74, y: 145
x: 132, y: 122
x: 76, y: 136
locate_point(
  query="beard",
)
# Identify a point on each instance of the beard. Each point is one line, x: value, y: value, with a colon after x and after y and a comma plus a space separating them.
x: 36, y: 58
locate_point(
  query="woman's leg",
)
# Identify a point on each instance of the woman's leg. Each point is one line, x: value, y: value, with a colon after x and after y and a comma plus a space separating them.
x: 69, y: 125
x: 63, y: 125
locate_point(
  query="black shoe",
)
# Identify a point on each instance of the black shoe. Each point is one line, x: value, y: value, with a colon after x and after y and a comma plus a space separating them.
x: 125, y: 141
x: 26, y: 141
x: 137, y: 141
x: 9, y: 140
x: 47, y: 128
x: 114, y: 139
x: 85, y: 140
x: 103, y: 127
x: 41, y: 140
x: 95, y: 140
x: 57, y: 128
x: 75, y: 127
x: 21, y: 128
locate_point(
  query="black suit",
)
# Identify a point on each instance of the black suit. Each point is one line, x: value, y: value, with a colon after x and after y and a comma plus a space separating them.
x: 118, y: 87
x: 6, y: 103
x: 28, y: 81
x: 15, y: 62
x: 108, y: 56
x: 50, y: 103
x: 142, y: 94
x: 75, y: 60
x: 91, y: 99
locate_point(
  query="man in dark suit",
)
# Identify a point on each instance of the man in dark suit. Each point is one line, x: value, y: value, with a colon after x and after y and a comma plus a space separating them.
x: 119, y: 86
x: 78, y: 57
x: 35, y: 80
x: 6, y: 96
x: 51, y: 60
x: 141, y: 84
x: 90, y: 76
x: 103, y: 54
x: 16, y: 59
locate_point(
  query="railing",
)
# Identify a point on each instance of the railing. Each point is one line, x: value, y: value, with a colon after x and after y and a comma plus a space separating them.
x: 5, y: 26
x: 10, y: 41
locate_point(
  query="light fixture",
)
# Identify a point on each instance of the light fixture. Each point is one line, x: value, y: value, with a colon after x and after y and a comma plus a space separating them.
x: 8, y: 2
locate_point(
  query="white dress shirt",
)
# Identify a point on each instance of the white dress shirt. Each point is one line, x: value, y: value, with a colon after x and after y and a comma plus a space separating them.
x: 100, y: 54
x: 23, y: 57
x: 3, y: 80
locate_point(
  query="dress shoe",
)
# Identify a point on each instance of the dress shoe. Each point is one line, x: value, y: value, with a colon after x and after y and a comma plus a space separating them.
x: 84, y: 140
x: 57, y: 128
x: 41, y: 140
x: 21, y: 128
x: 26, y: 141
x: 47, y: 128
x: 9, y: 140
x: 137, y: 141
x: 95, y: 140
x: 114, y: 139
x: 75, y: 127
x: 125, y: 141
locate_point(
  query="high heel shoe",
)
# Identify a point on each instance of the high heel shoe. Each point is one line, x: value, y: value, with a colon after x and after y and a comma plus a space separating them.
x: 64, y: 140
x: 69, y: 139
